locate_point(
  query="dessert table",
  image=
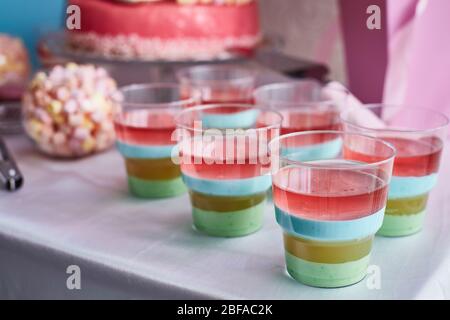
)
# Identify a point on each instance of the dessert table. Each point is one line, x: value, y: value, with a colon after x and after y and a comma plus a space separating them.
x: 79, y: 213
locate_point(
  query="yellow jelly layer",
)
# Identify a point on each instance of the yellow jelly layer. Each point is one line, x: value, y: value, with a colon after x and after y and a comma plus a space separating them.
x: 406, y: 206
x: 327, y: 252
x: 224, y: 204
x: 152, y: 169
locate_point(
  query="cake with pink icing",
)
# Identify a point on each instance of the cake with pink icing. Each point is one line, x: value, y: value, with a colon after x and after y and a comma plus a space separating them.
x: 166, y: 30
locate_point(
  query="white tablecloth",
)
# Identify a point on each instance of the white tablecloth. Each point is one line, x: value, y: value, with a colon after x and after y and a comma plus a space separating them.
x: 79, y: 213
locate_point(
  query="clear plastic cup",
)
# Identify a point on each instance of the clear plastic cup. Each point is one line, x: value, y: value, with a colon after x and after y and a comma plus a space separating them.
x: 144, y: 127
x: 225, y: 165
x: 418, y: 134
x: 303, y: 104
x: 219, y: 83
x: 329, y: 206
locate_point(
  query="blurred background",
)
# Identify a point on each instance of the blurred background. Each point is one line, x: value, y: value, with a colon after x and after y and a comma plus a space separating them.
x: 396, y: 63
x: 310, y: 29
x: 306, y: 26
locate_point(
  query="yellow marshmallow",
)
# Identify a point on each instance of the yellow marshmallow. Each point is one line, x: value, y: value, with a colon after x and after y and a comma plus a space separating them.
x: 55, y: 107
x: 88, y: 144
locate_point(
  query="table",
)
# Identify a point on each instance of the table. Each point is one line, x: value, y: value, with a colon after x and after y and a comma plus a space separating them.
x: 79, y: 213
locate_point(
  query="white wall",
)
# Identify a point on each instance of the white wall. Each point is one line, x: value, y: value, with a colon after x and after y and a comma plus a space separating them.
x: 307, y: 27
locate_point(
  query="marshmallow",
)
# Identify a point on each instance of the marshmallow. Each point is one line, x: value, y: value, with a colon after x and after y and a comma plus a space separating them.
x: 68, y: 112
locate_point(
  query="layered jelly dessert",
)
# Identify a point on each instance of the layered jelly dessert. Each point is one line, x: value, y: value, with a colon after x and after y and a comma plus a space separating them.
x: 229, y: 118
x: 414, y: 176
x: 227, y: 194
x: 329, y: 218
x: 304, y: 108
x: 219, y: 83
x: 307, y: 120
x: 144, y: 138
x: 418, y: 135
x: 320, y: 146
x: 329, y: 206
x: 227, y: 167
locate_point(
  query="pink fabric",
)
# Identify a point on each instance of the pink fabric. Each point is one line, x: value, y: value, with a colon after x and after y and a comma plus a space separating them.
x: 345, y: 100
x: 401, y: 20
x: 429, y: 63
x: 400, y: 13
x: 409, y: 60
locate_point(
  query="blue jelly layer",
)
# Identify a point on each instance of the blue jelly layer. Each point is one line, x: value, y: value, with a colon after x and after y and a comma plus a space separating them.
x: 231, y: 187
x: 244, y: 119
x: 321, y: 151
x: 145, y: 152
x: 408, y: 187
x: 326, y: 230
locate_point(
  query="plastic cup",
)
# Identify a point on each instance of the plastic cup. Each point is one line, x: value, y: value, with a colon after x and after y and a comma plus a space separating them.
x: 219, y: 83
x: 304, y: 106
x: 225, y: 165
x: 418, y: 134
x: 144, y: 136
x: 329, y: 207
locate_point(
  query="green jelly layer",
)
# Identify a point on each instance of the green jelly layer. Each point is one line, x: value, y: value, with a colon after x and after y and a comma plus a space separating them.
x: 327, y: 252
x: 401, y: 225
x: 223, y: 203
x: 156, y: 188
x: 407, y: 206
x: 152, y: 169
x: 229, y: 224
x: 326, y: 275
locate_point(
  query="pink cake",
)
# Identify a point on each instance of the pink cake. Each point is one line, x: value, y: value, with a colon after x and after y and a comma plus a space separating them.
x: 166, y: 30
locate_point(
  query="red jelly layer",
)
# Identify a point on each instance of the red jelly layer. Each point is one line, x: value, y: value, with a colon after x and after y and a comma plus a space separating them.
x: 212, y: 162
x: 328, y: 194
x: 146, y: 128
x: 297, y: 122
x: 415, y: 158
